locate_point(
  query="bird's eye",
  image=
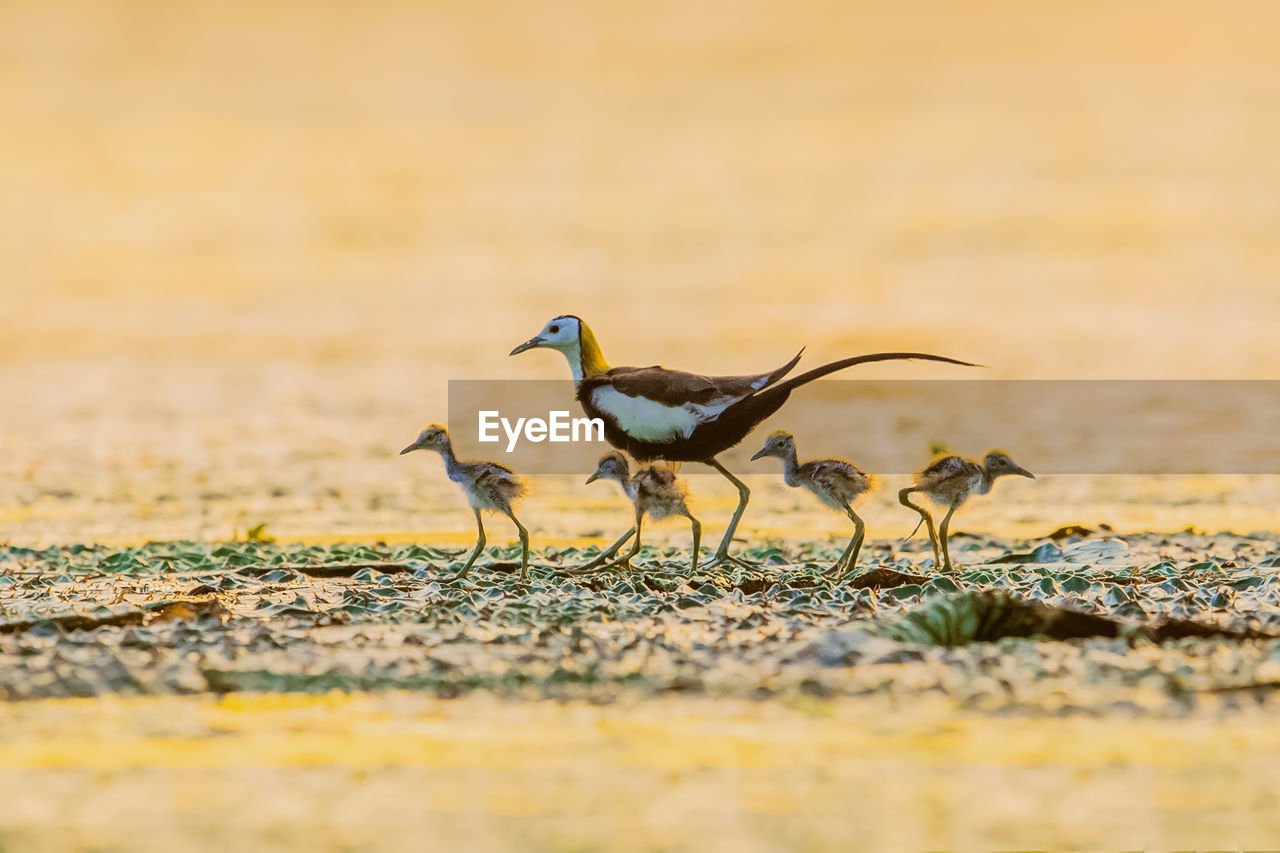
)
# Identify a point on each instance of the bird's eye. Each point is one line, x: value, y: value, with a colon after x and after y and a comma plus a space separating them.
x: 554, y: 329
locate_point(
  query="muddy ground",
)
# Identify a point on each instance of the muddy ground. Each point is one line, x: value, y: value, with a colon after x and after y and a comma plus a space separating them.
x: 278, y: 697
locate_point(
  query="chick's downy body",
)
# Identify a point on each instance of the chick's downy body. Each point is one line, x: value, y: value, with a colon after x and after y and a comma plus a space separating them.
x: 655, y: 492
x: 489, y: 487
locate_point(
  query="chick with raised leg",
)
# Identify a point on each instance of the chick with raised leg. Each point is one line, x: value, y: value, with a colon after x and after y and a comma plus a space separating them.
x: 950, y: 481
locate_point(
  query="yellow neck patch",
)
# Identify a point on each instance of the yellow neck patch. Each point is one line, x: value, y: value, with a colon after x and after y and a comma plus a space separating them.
x: 593, y: 363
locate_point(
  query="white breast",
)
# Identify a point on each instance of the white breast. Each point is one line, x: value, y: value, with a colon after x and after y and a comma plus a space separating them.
x: 649, y: 420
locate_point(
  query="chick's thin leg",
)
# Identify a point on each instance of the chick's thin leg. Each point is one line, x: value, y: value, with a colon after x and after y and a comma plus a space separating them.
x: 944, y: 531
x: 524, y: 546
x: 603, y: 557
x: 928, y: 522
x: 479, y: 546
x: 849, y: 559
x: 624, y: 562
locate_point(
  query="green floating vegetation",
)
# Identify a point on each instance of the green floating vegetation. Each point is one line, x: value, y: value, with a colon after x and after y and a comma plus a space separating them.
x: 991, y: 615
x: 988, y: 616
x: 222, y: 617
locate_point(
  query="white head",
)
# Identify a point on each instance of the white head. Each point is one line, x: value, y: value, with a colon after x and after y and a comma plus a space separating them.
x: 560, y: 333
x: 571, y: 336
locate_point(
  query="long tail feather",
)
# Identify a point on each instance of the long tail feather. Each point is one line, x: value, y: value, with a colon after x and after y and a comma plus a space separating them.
x: 775, y: 375
x: 827, y: 369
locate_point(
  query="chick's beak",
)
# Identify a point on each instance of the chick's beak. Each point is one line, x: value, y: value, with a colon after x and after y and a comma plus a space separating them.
x: 760, y: 454
x: 529, y: 344
x: 594, y: 477
x: 1024, y: 472
x: 409, y: 449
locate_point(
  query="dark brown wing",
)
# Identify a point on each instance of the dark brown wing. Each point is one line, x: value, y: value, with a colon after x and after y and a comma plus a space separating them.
x: 669, y: 387
x: 676, y: 387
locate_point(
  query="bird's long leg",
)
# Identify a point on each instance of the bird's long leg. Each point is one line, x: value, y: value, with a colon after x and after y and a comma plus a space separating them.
x: 604, y: 555
x: 928, y: 522
x: 744, y: 494
x: 696, y: 526
x: 479, y: 547
x: 944, y: 530
x: 624, y: 562
x: 524, y: 545
x: 848, y: 561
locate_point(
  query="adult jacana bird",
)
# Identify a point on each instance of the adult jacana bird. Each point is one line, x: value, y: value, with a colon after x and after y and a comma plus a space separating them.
x: 654, y: 413
x: 949, y: 482
x: 835, y: 482
x: 489, y: 487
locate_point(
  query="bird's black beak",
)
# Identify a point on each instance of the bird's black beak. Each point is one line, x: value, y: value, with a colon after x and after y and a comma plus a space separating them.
x: 409, y: 449
x: 1023, y: 472
x: 529, y: 344
x: 593, y: 477
x: 760, y: 454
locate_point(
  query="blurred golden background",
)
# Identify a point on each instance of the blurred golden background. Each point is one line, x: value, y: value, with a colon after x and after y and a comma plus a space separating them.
x: 247, y: 244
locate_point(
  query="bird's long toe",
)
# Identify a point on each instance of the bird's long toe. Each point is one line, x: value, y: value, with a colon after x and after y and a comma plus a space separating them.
x: 595, y: 565
x: 727, y: 560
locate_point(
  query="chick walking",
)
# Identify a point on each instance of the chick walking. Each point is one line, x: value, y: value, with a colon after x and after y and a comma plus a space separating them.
x: 949, y: 482
x: 835, y: 482
x: 489, y: 487
x: 653, y: 491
